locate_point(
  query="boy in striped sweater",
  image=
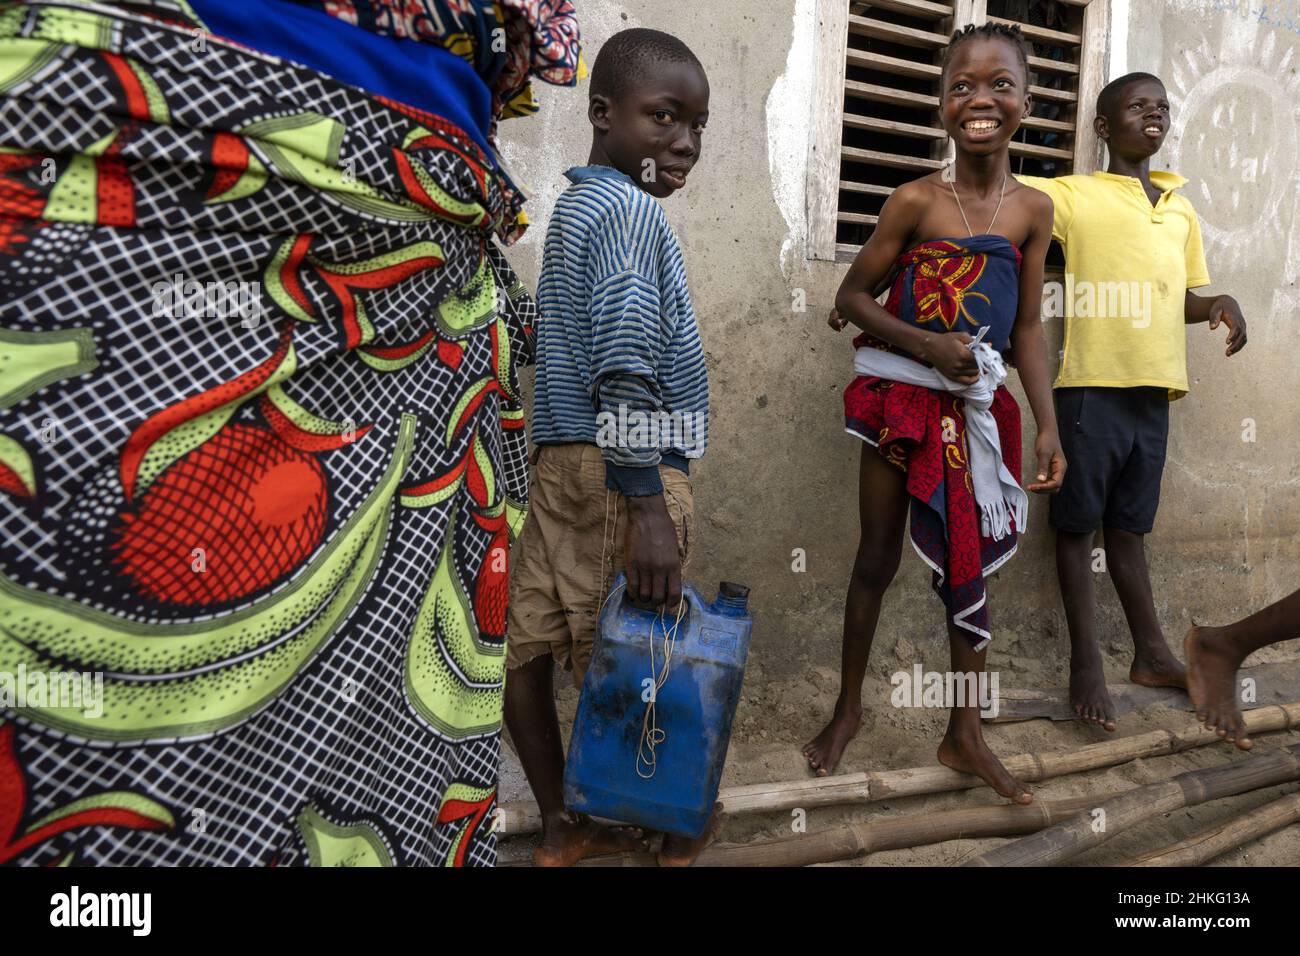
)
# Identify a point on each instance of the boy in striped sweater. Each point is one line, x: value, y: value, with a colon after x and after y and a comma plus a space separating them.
x: 620, y: 409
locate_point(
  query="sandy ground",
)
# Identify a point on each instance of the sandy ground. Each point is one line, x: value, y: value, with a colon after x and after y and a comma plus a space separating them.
x: 776, y: 718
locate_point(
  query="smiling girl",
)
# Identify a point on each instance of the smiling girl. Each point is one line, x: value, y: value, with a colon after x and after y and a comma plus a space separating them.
x: 941, y: 432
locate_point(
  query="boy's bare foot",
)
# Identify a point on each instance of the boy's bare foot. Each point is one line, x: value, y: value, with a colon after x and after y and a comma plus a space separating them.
x: 1157, y: 667
x: 1089, y: 697
x: 972, y: 755
x: 683, y: 851
x: 575, y: 836
x: 1212, y: 684
x: 824, y: 750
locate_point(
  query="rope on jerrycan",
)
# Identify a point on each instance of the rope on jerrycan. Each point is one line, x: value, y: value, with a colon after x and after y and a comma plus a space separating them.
x: 651, y: 733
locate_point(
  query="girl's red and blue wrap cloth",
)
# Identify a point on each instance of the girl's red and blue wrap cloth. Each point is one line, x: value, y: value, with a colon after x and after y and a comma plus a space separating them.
x: 946, y: 286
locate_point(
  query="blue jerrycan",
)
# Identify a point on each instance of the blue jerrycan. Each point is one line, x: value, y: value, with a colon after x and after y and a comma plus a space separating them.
x: 648, y: 744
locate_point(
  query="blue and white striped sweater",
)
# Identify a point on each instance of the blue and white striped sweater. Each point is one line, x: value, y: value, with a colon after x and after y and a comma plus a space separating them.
x: 617, y: 333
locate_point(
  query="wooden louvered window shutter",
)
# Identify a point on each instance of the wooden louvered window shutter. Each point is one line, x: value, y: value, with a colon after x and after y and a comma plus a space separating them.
x: 876, y: 121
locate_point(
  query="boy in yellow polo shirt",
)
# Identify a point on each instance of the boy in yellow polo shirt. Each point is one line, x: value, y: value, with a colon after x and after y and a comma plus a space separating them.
x: 1132, y: 256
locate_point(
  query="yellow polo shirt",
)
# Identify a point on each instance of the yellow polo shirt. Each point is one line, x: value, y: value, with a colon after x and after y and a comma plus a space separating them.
x: 1128, y: 266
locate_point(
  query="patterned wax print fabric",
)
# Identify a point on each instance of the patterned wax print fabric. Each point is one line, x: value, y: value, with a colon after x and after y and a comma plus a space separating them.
x: 541, y: 38
x: 946, y: 286
x: 261, y: 455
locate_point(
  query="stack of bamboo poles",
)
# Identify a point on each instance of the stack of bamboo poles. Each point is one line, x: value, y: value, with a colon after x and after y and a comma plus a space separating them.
x: 1067, y: 839
x: 1214, y: 841
x: 1068, y: 824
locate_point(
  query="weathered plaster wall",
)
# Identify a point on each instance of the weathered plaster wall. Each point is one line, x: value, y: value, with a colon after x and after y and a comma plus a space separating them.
x: 781, y: 474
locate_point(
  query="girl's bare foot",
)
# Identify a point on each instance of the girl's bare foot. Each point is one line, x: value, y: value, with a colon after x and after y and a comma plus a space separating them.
x: 1212, y: 684
x: 970, y: 754
x: 824, y: 750
x: 574, y: 836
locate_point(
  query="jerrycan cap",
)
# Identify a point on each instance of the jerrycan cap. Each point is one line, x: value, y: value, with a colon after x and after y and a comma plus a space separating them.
x: 732, y: 599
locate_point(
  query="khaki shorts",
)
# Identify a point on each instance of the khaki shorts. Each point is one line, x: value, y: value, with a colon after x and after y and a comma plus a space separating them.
x: 573, y: 539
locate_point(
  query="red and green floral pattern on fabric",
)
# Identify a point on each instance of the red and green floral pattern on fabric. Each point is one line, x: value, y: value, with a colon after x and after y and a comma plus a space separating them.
x: 278, y: 537
x: 541, y: 38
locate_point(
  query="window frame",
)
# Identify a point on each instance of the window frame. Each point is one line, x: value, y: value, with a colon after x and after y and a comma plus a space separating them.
x: 826, y: 144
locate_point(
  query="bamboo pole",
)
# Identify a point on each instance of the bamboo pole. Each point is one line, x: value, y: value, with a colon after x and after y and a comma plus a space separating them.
x: 859, y: 839
x: 883, y: 784
x: 855, y: 840
x: 1063, y: 841
x: 1219, y: 839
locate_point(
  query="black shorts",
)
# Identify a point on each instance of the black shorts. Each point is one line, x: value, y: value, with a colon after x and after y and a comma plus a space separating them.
x: 1114, y: 441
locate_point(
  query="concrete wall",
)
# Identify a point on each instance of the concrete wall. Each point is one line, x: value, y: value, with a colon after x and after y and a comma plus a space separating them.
x: 780, y: 472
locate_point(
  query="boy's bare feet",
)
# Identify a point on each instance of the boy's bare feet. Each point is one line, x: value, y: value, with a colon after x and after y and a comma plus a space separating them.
x: 1212, y: 684
x: 970, y: 754
x: 1156, y: 666
x: 571, y: 837
x: 683, y: 851
x: 1089, y: 697
x: 824, y: 750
